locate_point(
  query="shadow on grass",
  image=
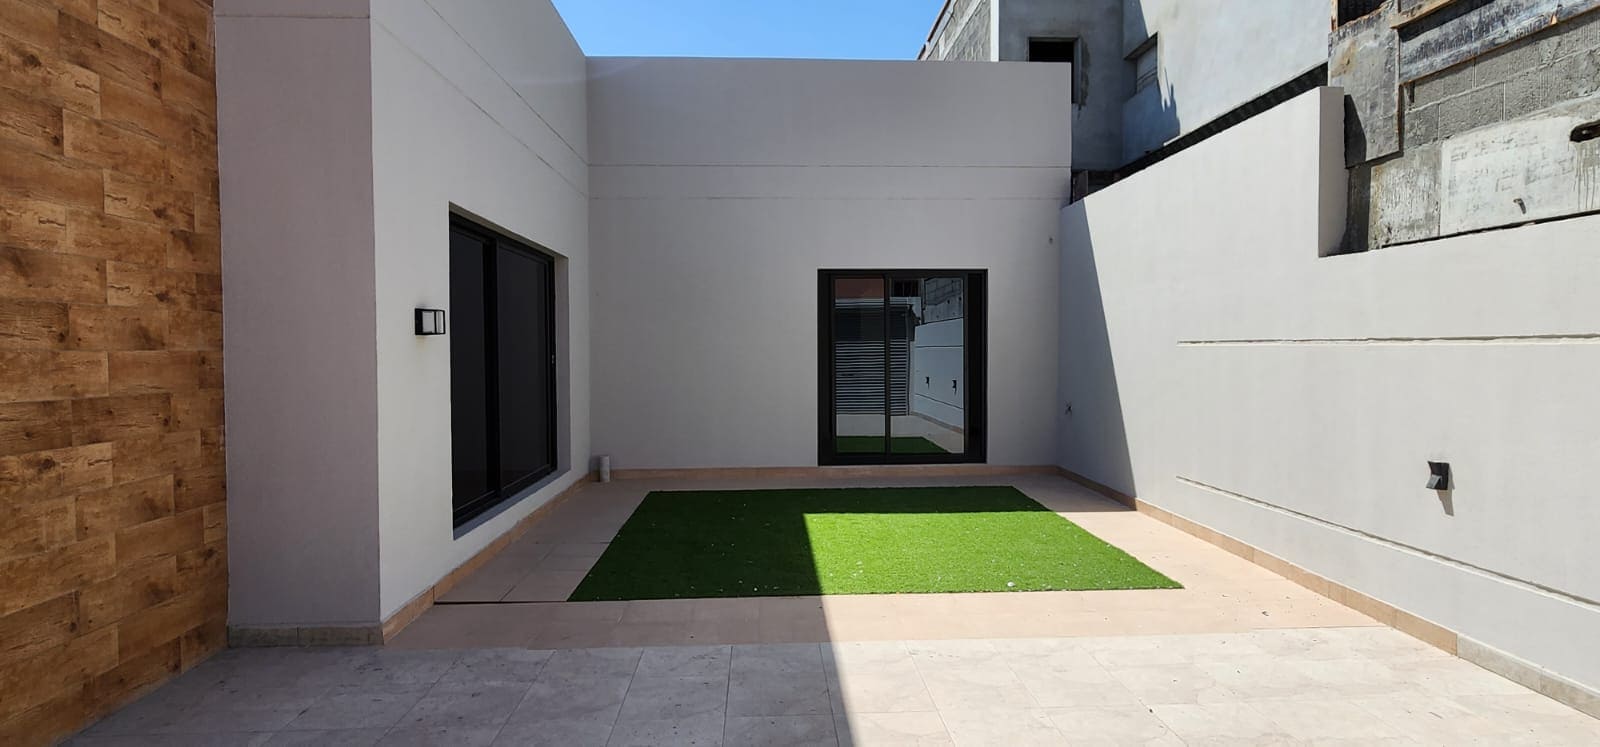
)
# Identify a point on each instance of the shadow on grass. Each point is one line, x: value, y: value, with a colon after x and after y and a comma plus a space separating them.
x: 804, y: 542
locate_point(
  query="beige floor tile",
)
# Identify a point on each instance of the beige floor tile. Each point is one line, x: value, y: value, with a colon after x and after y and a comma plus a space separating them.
x: 650, y: 634
x: 526, y: 549
x: 594, y: 612
x: 578, y: 549
x: 879, y: 689
x: 1531, y: 717
x: 1002, y: 728
x: 545, y: 586
x: 486, y: 585
x: 1454, y: 677
x: 780, y: 731
x: 573, y: 634
x: 936, y: 655
x: 1260, y: 677
x: 685, y: 661
x: 1437, y: 721
x: 566, y: 563
x: 469, y: 626
x: 987, y: 688
x: 706, y: 730
x: 659, y: 611
x: 848, y: 656
x: 1327, y: 720
x: 723, y: 631
x: 1069, y: 681
x: 899, y: 729
x: 1221, y: 724
x: 1173, y: 684
x: 1123, y: 725
x: 721, y: 610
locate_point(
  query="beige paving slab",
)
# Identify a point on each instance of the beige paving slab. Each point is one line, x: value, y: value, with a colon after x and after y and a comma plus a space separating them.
x: 1174, y: 690
x: 1222, y: 593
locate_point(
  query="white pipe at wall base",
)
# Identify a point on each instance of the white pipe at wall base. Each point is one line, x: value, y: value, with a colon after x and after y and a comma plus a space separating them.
x: 605, y: 469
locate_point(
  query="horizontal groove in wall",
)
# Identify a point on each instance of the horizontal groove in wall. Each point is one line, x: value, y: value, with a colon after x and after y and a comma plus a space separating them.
x: 998, y: 167
x: 297, y: 16
x: 820, y: 198
x: 581, y: 190
x: 1582, y: 338
x: 509, y: 86
x: 1462, y: 565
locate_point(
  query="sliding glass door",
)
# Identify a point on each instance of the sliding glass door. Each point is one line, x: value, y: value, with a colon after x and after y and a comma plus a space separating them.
x: 502, y: 367
x: 900, y: 367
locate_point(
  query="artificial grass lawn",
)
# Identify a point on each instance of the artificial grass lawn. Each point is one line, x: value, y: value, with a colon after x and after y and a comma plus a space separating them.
x: 745, y: 543
x: 897, y: 444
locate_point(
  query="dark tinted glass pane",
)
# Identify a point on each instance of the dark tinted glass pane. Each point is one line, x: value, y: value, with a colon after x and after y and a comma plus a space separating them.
x: 469, y: 393
x: 858, y: 365
x: 526, y: 446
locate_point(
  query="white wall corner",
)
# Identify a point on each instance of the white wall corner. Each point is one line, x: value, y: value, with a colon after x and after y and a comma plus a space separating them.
x: 1333, y: 192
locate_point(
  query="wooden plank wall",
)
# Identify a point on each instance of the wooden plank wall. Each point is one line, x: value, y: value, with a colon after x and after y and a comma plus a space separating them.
x: 113, y: 568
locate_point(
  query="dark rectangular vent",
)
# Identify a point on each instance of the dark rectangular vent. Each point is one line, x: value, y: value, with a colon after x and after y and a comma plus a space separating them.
x: 1350, y: 10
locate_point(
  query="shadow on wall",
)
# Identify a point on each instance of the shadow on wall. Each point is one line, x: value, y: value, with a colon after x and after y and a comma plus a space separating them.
x: 1091, y: 436
x: 1149, y: 114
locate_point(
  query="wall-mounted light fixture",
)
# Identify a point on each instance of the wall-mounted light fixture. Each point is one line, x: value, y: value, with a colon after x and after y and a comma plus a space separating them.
x: 1438, y: 475
x: 430, y: 321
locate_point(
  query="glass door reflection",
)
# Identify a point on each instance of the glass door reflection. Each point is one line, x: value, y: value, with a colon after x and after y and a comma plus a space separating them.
x: 901, y: 373
x: 930, y: 327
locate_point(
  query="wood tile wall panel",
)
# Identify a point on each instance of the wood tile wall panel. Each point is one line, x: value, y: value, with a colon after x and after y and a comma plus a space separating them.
x: 113, y: 521
x: 32, y: 326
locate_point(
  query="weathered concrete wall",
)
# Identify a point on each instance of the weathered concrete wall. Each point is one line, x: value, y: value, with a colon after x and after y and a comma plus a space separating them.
x: 1215, y: 55
x: 1220, y: 369
x: 1488, y: 143
x: 967, y: 34
x: 1105, y: 79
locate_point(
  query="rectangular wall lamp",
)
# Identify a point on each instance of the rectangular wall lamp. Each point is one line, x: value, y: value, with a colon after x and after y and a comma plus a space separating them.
x: 430, y: 321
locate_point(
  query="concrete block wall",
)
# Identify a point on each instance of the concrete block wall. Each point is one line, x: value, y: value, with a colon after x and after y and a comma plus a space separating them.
x: 1561, y: 64
x: 967, y: 34
x: 1487, y: 144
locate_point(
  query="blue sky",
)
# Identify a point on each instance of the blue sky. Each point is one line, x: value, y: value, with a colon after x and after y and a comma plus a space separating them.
x: 846, y: 29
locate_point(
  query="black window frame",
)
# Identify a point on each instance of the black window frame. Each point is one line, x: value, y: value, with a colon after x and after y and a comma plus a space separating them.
x: 493, y: 241
x: 974, y: 367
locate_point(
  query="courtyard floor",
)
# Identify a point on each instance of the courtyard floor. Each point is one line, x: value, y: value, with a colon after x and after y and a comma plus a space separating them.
x: 1238, y: 656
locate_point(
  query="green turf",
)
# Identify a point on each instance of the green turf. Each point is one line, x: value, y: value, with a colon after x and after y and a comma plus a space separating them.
x: 897, y: 444
x: 698, y: 544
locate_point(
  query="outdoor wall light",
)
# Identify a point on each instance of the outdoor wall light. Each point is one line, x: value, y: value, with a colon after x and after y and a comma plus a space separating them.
x: 1438, y: 475
x: 430, y: 321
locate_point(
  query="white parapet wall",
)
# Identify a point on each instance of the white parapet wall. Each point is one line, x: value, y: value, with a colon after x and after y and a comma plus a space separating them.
x: 1218, y: 367
x: 721, y: 187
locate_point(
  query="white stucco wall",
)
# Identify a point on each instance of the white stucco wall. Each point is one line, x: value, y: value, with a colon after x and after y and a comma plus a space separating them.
x: 1214, y: 55
x: 938, y: 355
x: 721, y: 187
x: 346, y: 143
x: 1219, y: 368
x: 478, y: 107
x: 294, y: 134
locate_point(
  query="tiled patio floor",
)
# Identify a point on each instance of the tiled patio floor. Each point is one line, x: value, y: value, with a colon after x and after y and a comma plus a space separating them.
x: 1239, y: 656
x: 1222, y: 593
x: 1368, y: 685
